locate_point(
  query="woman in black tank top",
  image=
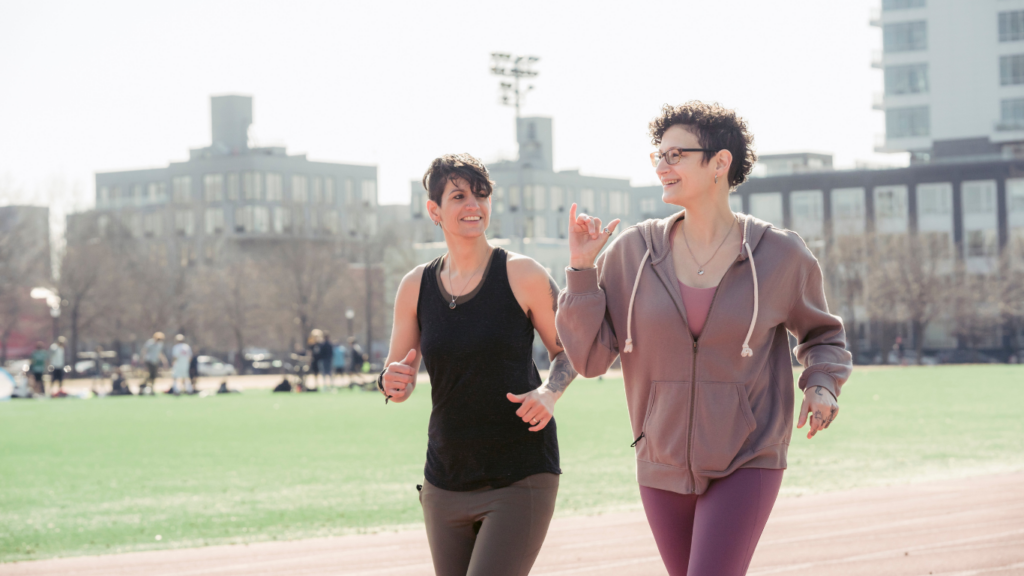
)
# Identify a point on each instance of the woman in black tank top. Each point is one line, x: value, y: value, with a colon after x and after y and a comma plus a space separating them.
x: 492, y: 467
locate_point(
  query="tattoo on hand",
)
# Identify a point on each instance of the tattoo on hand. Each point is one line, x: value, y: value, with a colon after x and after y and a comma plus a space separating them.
x: 817, y: 390
x: 561, y: 373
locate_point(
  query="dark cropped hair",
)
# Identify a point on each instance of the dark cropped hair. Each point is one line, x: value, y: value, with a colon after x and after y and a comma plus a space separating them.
x: 716, y: 128
x: 452, y: 167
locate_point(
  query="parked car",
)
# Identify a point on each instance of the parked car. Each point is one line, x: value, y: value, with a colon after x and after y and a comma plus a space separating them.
x: 211, y: 366
x: 961, y: 356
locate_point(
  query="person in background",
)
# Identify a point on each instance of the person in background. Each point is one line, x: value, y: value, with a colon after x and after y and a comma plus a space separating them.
x: 314, y: 346
x: 118, y: 384
x: 355, y: 360
x: 57, y: 364
x: 193, y: 373
x: 181, y: 355
x: 339, y: 358
x: 325, y: 359
x: 37, y: 367
x: 153, y: 357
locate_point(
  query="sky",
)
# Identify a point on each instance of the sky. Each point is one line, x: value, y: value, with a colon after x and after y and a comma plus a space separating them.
x: 97, y: 86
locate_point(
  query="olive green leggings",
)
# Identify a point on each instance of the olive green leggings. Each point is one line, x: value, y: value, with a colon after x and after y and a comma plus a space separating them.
x: 490, y: 531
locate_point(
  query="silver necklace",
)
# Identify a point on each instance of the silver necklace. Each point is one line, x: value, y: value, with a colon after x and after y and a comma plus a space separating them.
x: 700, y: 267
x: 451, y: 304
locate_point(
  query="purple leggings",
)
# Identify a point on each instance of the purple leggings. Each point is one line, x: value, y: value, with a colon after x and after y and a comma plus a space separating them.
x: 714, y: 533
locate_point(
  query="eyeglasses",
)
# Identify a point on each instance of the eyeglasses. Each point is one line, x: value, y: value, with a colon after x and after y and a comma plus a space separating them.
x: 673, y: 156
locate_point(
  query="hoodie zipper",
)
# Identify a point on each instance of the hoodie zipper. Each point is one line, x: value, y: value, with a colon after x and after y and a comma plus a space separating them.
x: 693, y: 377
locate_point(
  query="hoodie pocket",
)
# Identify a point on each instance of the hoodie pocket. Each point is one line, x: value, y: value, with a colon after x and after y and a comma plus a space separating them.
x: 666, y: 424
x: 723, y: 422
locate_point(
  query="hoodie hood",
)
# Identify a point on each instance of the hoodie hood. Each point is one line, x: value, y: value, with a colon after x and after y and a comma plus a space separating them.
x: 657, y: 233
x: 659, y: 246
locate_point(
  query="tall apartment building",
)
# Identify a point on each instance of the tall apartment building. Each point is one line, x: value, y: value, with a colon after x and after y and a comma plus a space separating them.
x: 230, y: 191
x: 954, y: 77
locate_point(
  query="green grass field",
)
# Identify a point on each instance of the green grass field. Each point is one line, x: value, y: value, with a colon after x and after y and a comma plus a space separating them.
x: 110, y: 475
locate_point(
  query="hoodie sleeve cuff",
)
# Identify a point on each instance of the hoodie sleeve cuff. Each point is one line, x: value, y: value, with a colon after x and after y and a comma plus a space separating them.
x: 823, y: 379
x: 581, y: 281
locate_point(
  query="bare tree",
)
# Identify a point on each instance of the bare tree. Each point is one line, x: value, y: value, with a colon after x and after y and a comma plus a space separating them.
x: 846, y: 268
x: 84, y: 286
x: 310, y: 271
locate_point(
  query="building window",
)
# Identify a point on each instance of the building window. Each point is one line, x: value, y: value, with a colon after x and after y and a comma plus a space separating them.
x: 768, y: 207
x: 260, y: 219
x: 330, y: 222
x: 557, y: 199
x: 184, y: 223
x: 906, y: 79
x: 807, y: 211
x: 152, y: 226
x: 587, y: 203
x: 252, y: 186
x: 497, y: 202
x: 540, y: 200
x: 275, y: 187
x: 1015, y: 196
x: 214, y: 220
x: 902, y: 4
x: 907, y: 122
x: 527, y: 197
x: 647, y: 206
x: 735, y: 203
x: 138, y: 194
x: 1011, y: 26
x: 233, y: 186
x: 615, y: 203
x: 329, y: 190
x: 103, y: 195
x: 1012, y: 114
x: 349, y: 192
x: 300, y: 193
x: 282, y: 220
x: 981, y: 243
x: 540, y: 227
x: 213, y: 184
x: 1011, y: 69
x: 181, y: 189
x: 935, y: 199
x: 979, y: 197
x: 513, y: 198
x: 156, y: 191
x: 938, y: 244
x: 905, y: 36
x: 369, y: 192
x: 891, y: 202
x: 243, y: 219
x: 317, y: 190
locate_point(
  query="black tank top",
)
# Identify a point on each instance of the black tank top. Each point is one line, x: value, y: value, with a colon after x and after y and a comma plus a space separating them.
x: 475, y: 354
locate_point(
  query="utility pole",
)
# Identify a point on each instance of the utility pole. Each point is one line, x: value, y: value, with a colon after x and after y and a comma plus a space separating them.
x: 516, y: 67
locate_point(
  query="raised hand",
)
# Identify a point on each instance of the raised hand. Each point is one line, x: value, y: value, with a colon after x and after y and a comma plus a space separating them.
x: 823, y: 408
x: 400, y: 378
x: 587, y: 238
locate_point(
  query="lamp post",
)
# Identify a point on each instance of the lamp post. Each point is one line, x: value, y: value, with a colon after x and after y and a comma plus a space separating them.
x: 53, y: 301
x: 350, y: 315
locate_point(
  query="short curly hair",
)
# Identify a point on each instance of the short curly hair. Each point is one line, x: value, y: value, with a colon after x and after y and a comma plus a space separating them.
x: 452, y: 167
x: 717, y: 128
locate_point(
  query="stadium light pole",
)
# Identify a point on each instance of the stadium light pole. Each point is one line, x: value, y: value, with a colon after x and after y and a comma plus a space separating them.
x: 515, y: 67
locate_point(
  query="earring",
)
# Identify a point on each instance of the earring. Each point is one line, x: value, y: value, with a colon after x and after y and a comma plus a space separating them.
x: 716, y: 178
x: 436, y: 223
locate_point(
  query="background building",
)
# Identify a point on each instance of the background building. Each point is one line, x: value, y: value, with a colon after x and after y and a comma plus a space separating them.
x: 954, y: 77
x: 230, y: 192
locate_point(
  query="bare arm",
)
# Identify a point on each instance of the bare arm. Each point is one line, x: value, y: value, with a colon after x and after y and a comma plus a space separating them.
x: 403, y: 360
x: 538, y: 293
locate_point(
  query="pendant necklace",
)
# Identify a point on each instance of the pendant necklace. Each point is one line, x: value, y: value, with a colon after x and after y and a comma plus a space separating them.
x: 451, y: 304
x: 700, y: 267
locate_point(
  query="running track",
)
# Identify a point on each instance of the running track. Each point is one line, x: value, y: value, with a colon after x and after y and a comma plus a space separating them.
x: 961, y: 527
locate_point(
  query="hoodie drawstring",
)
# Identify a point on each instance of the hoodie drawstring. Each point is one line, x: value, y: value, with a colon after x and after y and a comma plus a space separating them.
x: 746, y: 352
x: 629, y: 316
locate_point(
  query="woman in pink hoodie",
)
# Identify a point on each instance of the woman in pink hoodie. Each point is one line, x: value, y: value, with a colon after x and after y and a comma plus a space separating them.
x: 700, y: 306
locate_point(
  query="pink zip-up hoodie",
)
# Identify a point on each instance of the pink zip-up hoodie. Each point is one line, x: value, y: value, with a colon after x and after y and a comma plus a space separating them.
x: 700, y: 409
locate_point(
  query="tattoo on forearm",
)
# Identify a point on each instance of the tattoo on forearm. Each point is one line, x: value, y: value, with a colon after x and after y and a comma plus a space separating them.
x: 561, y: 373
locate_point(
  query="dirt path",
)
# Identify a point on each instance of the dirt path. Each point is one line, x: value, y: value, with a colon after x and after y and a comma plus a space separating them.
x: 960, y: 527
